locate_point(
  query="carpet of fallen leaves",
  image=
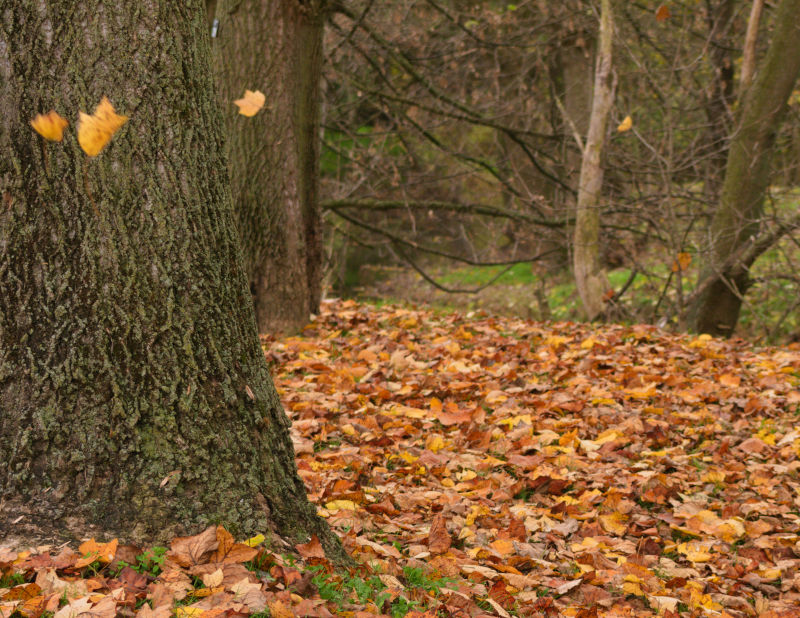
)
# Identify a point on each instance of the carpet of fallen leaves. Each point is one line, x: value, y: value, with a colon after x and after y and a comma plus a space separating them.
x: 530, y: 469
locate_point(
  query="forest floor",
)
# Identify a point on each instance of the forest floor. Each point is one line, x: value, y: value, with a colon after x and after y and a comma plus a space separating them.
x: 495, y: 466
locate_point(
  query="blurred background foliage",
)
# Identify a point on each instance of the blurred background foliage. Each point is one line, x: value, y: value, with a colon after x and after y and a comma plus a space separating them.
x: 450, y: 160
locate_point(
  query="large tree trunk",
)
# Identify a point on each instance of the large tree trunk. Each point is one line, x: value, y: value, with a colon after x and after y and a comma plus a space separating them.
x: 274, y: 46
x: 590, y: 277
x: 129, y: 357
x: 747, y: 175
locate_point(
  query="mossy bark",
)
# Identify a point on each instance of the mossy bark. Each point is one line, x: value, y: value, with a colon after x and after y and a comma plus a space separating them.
x: 134, y: 396
x: 747, y: 175
x: 274, y: 46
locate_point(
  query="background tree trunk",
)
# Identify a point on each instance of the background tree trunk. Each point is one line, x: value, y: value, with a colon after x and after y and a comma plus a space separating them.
x: 590, y: 277
x: 274, y: 46
x: 128, y: 351
x: 747, y: 175
x: 720, y: 93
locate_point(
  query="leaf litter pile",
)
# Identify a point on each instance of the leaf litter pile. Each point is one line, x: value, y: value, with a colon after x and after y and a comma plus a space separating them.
x: 485, y: 466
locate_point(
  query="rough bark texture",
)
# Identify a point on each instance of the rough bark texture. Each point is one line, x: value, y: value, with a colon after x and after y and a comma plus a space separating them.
x: 590, y: 277
x: 274, y: 46
x: 747, y: 175
x: 128, y: 350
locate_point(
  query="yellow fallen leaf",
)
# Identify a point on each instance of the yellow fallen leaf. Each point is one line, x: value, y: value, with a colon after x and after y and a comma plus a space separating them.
x: 714, y: 476
x: 693, y: 553
x: 256, y: 540
x: 188, y: 612
x: 770, y: 574
x: 614, y: 522
x: 411, y: 412
x: 608, y: 436
x: 515, y: 420
x: 339, y: 505
x: 625, y: 125
x: 408, y: 457
x: 434, y: 443
x: 701, y: 341
x: 251, y: 102
x: 730, y: 530
x: 478, y: 510
x: 466, y: 475
x: 632, y: 588
x: 50, y: 126
x: 94, y: 132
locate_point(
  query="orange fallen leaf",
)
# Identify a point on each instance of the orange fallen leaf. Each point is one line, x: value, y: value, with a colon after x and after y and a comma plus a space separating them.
x: 23, y: 592
x: 278, y: 610
x: 312, y: 549
x: 94, y: 551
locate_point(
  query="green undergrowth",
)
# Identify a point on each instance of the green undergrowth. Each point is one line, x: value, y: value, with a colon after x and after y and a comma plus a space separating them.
x: 770, y: 313
x: 344, y: 590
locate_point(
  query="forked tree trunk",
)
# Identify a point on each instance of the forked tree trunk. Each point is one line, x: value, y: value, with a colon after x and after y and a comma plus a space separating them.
x: 274, y: 46
x: 134, y: 396
x: 747, y: 175
x: 590, y: 277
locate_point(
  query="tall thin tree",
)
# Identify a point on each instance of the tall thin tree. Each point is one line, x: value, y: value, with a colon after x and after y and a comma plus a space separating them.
x: 590, y: 276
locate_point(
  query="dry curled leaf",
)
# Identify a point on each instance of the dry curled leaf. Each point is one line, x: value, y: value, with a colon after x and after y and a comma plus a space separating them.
x: 197, y: 549
x: 439, y: 539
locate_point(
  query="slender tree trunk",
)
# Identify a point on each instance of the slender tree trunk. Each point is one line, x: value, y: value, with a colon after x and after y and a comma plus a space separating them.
x: 749, y: 50
x: 590, y: 277
x: 747, y: 175
x: 274, y: 46
x: 720, y: 93
x: 134, y: 396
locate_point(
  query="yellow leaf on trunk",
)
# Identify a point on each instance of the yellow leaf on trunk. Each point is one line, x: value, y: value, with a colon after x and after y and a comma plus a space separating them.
x: 50, y: 126
x: 95, y: 131
x: 251, y: 102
